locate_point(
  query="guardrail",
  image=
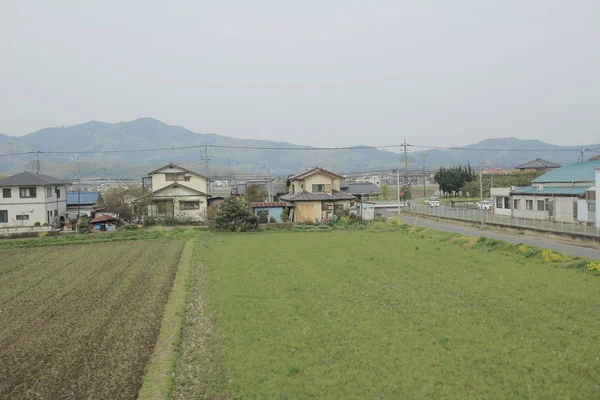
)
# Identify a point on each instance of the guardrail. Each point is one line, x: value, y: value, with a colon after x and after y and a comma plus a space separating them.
x: 488, y: 217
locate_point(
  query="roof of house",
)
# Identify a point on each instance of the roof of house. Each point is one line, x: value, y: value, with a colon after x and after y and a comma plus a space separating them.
x: 82, y: 198
x: 538, y: 163
x: 240, y: 188
x: 578, y: 172
x: 171, y: 165
x: 361, y: 188
x: 178, y: 184
x: 272, y: 204
x: 308, y: 196
x: 551, y: 191
x: 103, y: 218
x: 28, y: 178
x: 313, y: 171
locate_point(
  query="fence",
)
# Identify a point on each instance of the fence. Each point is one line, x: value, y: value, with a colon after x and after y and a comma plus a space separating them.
x: 474, y: 215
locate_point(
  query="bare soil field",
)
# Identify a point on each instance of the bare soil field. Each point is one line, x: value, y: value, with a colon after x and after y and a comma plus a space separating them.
x: 81, y: 321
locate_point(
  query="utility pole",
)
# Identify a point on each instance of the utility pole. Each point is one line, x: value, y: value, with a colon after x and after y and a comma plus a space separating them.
x: 405, y: 170
x: 78, y: 194
x: 206, y: 159
x: 424, y: 177
x: 38, y: 167
x: 494, y: 161
x: 270, y: 194
x: 481, y: 189
x: 398, y: 187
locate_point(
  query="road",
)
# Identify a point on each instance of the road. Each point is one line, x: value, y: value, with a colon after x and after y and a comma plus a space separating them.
x: 525, y: 239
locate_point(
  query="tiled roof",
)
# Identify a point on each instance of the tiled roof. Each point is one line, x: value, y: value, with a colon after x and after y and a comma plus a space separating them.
x: 578, y: 172
x: 551, y: 191
x: 538, y: 163
x: 27, y: 178
x: 308, y: 196
x: 171, y: 166
x: 313, y: 171
x: 102, y: 218
x: 362, y: 188
x: 266, y: 204
x: 86, y: 198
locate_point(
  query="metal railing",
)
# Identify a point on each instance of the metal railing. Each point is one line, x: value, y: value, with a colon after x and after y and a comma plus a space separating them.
x: 474, y: 215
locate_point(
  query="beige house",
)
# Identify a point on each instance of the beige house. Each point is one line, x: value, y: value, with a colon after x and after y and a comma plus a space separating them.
x: 316, y: 195
x: 177, y: 193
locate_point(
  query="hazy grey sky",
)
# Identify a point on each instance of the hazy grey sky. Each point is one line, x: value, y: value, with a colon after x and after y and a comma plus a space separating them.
x: 335, y: 72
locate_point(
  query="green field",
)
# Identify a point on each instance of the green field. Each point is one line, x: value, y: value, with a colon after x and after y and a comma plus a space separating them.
x: 81, y: 321
x: 353, y: 314
x: 379, y: 311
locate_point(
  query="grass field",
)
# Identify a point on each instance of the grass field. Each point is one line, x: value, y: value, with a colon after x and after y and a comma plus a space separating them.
x: 81, y: 321
x: 361, y: 315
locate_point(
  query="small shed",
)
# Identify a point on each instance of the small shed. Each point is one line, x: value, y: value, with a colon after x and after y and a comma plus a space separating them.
x: 104, y: 222
x: 365, y: 210
x: 270, y: 209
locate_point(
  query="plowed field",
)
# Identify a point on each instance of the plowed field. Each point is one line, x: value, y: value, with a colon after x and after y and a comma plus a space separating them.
x: 81, y: 321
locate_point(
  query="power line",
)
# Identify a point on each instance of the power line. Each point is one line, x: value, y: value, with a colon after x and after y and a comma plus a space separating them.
x: 280, y: 148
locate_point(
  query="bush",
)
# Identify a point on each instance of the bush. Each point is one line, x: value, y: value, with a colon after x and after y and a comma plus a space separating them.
x: 37, y: 224
x: 272, y: 220
x: 235, y: 215
x: 263, y: 219
x: 42, y: 234
x: 149, y: 221
x: 45, y: 224
x: 285, y: 215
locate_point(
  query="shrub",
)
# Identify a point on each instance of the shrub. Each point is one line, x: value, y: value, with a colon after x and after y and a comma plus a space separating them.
x: 45, y: 224
x: 285, y: 215
x: 42, y: 234
x: 272, y: 220
x: 149, y: 221
x: 263, y: 219
x: 234, y: 215
x: 593, y: 266
x: 550, y: 256
x: 37, y: 224
x: 309, y: 222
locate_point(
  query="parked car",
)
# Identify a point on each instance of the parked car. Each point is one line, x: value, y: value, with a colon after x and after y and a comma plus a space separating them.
x: 433, y: 202
x: 484, y: 205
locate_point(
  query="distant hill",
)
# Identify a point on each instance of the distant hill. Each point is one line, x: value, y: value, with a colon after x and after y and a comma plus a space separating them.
x: 148, y: 133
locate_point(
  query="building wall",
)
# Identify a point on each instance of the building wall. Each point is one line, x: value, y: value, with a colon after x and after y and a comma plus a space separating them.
x: 307, y: 210
x: 522, y: 211
x: 316, y: 179
x: 36, y: 208
x: 274, y: 212
x: 196, y: 182
x: 597, y: 172
x: 83, y: 210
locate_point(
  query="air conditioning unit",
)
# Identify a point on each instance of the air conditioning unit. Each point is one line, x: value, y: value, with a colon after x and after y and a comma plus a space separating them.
x: 540, y: 187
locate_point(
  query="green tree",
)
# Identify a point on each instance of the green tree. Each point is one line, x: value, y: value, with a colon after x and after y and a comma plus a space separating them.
x: 385, y: 191
x: 452, y: 179
x: 235, y: 215
x: 405, y: 193
x: 255, y: 193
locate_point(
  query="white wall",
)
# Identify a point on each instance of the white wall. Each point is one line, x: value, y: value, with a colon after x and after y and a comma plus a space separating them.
x: 36, y: 208
x: 196, y: 182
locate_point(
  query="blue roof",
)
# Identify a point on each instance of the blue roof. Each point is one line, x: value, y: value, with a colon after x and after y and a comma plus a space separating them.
x: 578, y: 172
x: 549, y: 191
x: 86, y: 198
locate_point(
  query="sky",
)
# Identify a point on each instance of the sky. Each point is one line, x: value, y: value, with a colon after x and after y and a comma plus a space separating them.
x: 325, y: 73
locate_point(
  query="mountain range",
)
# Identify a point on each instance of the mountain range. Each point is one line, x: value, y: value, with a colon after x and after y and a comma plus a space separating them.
x: 67, y: 151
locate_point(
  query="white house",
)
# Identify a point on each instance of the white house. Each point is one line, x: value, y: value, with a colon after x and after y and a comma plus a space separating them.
x: 177, y: 193
x: 27, y: 199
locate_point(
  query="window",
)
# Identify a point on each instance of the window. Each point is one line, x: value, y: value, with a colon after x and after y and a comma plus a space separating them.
x: 187, y: 178
x: 499, y: 202
x: 507, y: 203
x: 58, y: 193
x: 27, y: 192
x: 262, y: 212
x: 529, y: 204
x: 318, y: 188
x: 22, y: 217
x: 591, y: 207
x: 189, y: 205
x: 174, y: 177
x: 3, y: 216
x: 541, y: 205
x: 48, y: 191
x: 6, y: 193
x: 517, y: 204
